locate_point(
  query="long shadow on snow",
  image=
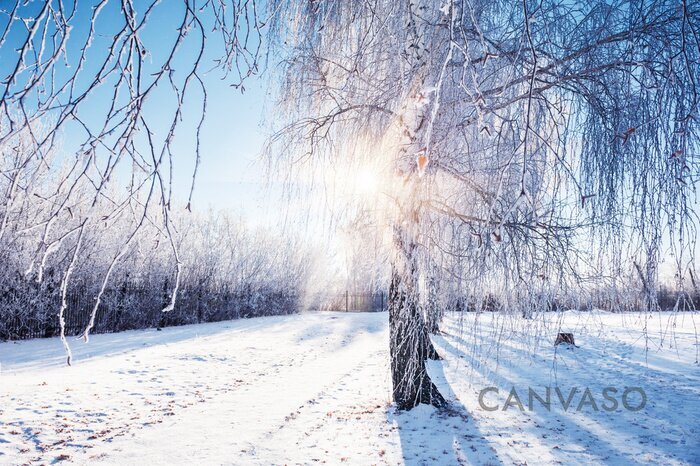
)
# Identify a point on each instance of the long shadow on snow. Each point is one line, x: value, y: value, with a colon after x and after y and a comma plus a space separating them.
x: 571, y: 425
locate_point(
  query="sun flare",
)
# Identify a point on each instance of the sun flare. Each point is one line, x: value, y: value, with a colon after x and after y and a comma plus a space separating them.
x: 366, y: 181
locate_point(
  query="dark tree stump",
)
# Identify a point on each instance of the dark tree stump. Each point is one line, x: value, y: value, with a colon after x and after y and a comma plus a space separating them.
x: 567, y: 338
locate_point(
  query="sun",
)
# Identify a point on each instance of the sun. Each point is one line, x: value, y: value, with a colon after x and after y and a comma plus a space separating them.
x: 366, y: 181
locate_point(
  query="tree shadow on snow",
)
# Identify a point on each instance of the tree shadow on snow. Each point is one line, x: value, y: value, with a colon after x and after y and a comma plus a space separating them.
x: 610, y: 435
x: 441, y: 436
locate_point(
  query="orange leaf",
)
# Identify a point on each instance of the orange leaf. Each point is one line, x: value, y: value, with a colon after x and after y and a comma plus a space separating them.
x: 422, y: 162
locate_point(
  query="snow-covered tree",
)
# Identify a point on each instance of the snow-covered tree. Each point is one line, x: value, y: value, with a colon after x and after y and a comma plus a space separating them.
x: 523, y: 132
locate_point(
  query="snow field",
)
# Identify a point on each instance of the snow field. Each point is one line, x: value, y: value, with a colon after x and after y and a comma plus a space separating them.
x: 315, y: 389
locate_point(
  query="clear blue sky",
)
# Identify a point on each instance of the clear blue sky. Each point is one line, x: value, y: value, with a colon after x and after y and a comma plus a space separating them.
x: 230, y: 175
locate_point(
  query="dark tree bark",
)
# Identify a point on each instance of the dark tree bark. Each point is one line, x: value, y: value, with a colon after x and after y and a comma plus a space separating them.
x: 409, y: 343
x: 432, y: 322
x: 430, y: 351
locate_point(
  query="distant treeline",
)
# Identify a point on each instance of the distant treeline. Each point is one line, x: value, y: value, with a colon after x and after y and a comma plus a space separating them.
x: 665, y: 299
x: 228, y: 272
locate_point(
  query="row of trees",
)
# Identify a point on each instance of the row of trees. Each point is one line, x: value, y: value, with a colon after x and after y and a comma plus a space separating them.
x: 228, y: 271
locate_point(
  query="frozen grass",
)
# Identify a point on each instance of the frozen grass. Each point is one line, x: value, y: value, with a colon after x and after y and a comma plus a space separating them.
x: 315, y: 388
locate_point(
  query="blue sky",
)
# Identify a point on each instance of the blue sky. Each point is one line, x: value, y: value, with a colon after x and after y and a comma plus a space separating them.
x: 230, y: 175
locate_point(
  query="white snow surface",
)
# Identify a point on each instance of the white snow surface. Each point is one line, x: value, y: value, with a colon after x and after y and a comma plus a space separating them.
x: 315, y: 389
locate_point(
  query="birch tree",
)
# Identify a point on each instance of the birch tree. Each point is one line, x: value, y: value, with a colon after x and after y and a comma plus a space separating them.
x: 524, y: 132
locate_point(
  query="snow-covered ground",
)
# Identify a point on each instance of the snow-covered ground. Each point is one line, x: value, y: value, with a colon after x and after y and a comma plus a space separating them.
x: 315, y: 388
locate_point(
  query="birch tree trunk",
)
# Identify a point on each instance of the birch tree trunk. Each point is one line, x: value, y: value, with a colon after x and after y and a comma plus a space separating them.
x: 409, y: 341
